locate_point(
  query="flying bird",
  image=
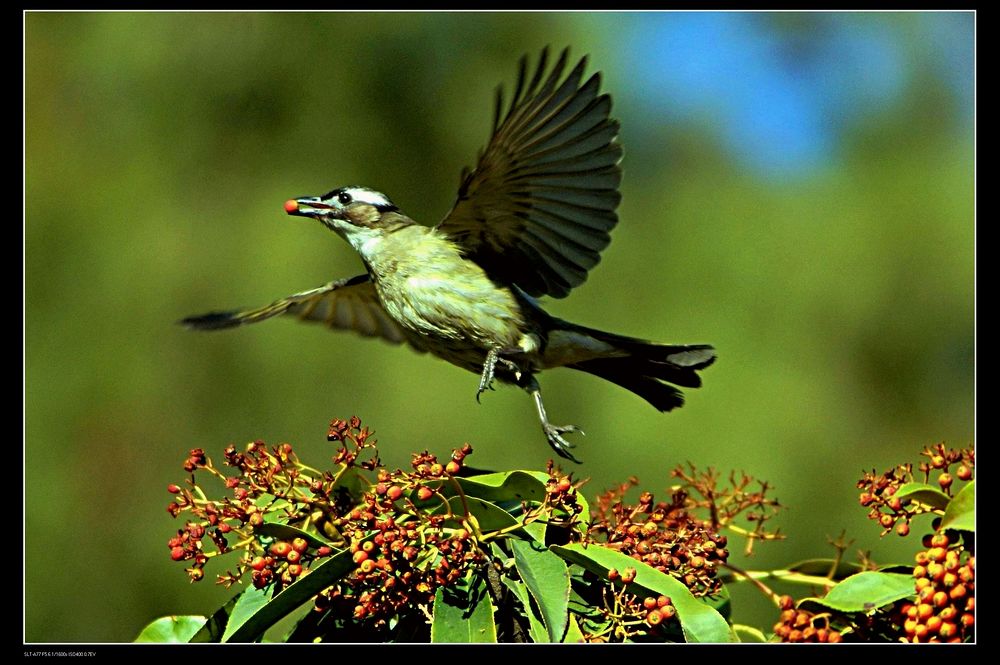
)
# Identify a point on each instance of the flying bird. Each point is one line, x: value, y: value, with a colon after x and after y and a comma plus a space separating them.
x: 530, y: 220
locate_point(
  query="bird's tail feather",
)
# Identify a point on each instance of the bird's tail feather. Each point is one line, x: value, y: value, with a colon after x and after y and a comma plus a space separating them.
x: 642, y: 367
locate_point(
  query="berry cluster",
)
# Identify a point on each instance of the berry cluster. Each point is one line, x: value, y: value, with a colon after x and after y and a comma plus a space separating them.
x: 666, y: 536
x: 408, y: 532
x: 945, y: 577
x: 404, y: 550
x: 798, y: 625
x: 626, y: 615
x: 892, y: 512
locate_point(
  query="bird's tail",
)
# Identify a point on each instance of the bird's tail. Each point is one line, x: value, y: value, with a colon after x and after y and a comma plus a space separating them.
x: 645, y: 368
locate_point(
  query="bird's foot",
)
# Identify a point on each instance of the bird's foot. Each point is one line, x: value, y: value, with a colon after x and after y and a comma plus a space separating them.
x: 554, y: 435
x: 489, y: 370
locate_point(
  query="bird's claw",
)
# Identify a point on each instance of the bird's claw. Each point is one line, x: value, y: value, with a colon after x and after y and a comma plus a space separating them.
x: 562, y: 447
x: 489, y: 371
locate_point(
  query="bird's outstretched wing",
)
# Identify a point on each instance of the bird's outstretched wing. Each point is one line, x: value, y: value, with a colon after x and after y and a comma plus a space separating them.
x: 537, y: 209
x: 346, y: 304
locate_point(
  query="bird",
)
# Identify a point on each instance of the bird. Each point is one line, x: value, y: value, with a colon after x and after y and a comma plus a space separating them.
x: 530, y: 220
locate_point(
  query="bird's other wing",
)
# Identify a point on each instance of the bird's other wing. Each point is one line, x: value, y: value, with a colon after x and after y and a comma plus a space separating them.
x: 538, y: 208
x: 346, y: 304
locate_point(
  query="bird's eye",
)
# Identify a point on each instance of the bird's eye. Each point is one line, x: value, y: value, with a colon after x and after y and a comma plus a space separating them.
x: 344, y: 198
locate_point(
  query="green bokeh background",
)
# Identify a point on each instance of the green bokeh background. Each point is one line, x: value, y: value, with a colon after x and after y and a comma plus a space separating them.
x: 160, y: 147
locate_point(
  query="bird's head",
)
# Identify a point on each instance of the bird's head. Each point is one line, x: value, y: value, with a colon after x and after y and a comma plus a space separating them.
x: 356, y: 213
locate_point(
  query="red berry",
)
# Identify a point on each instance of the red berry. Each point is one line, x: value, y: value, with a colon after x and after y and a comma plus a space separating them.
x: 613, y: 574
x: 291, y: 205
x: 295, y: 570
x: 945, y: 480
x: 453, y: 467
x: 300, y: 545
x: 258, y: 563
x: 177, y: 553
x: 654, y: 618
x: 173, y: 489
x: 424, y: 493
x: 294, y: 556
x: 281, y: 549
x: 649, y: 603
x: 394, y: 492
x: 628, y: 575
x: 903, y: 529
x: 360, y: 556
x: 964, y: 472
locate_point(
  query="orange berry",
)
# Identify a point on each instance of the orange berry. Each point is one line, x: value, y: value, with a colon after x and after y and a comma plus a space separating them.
x: 947, y: 629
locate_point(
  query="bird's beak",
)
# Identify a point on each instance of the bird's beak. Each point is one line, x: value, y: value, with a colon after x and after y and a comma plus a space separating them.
x: 307, y: 206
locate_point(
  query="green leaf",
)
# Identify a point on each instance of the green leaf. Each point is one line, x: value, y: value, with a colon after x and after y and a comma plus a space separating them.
x: 536, y: 530
x: 214, y: 628
x: 721, y: 602
x: 536, y: 629
x: 248, y: 604
x: 490, y: 516
x: 699, y: 621
x: 923, y: 493
x: 463, y: 614
x: 283, y: 531
x: 547, y: 578
x: 865, y: 591
x: 512, y: 486
x: 172, y: 629
x: 251, y: 626
x: 961, y: 511
x: 573, y: 633
x: 748, y: 633
x: 509, y: 489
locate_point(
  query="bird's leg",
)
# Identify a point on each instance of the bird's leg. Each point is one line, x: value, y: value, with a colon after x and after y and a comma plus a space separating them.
x: 553, y: 433
x: 489, y: 369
